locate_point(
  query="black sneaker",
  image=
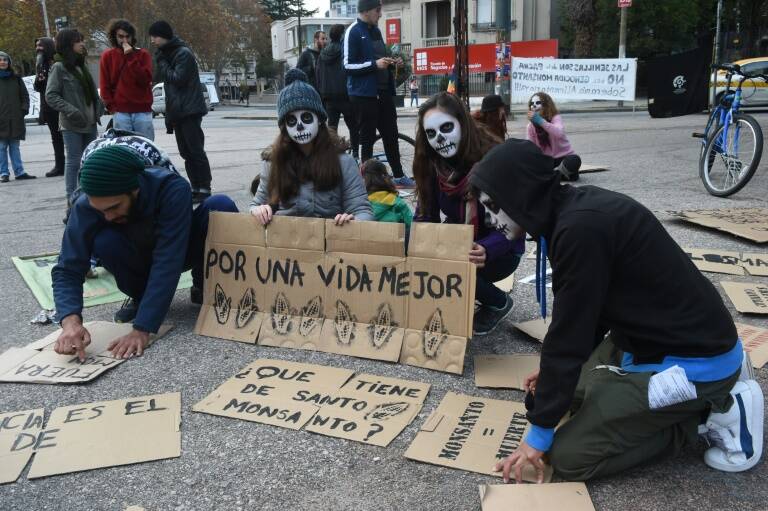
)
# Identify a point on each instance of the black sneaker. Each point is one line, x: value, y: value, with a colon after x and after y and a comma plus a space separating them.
x: 4, y: 179
x: 487, y: 317
x: 25, y: 176
x: 127, y: 311
x: 196, y: 295
x: 54, y: 172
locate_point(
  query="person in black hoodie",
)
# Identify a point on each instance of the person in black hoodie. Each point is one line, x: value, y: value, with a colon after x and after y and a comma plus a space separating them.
x: 331, y: 80
x: 45, y: 48
x: 309, y: 57
x: 617, y: 271
x: 185, y: 105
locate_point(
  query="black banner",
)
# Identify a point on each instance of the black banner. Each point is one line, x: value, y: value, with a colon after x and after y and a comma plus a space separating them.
x: 678, y: 84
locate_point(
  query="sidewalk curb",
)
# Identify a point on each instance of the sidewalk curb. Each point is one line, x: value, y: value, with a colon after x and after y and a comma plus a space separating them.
x: 413, y: 115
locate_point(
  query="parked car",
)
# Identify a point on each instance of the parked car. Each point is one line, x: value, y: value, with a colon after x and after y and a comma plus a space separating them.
x: 158, y: 99
x: 754, y: 91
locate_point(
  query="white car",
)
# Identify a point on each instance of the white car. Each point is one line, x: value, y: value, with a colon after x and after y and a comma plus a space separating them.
x: 158, y: 99
x: 754, y: 92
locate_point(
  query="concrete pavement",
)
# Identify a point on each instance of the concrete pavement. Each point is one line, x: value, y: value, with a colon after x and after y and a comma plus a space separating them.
x: 231, y: 464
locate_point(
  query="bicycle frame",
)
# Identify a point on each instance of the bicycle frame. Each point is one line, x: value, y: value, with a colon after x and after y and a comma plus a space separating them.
x: 724, y: 116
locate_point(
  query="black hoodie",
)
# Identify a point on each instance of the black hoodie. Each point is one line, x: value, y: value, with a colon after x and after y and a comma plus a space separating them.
x: 331, y: 76
x: 614, y: 268
x: 176, y: 67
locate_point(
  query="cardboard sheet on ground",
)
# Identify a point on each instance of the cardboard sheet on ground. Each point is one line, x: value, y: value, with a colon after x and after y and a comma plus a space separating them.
x: 38, y: 363
x: 504, y: 371
x: 536, y: 497
x: 109, y: 433
x: 473, y: 434
x: 326, y: 400
x: 749, y: 223
x: 536, y: 328
x: 18, y: 431
x: 747, y: 297
x: 36, y: 272
x: 755, y: 342
x: 586, y: 169
x: 531, y: 279
x: 731, y: 263
x: 309, y: 284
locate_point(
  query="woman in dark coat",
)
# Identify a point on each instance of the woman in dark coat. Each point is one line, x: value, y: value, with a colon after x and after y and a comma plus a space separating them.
x: 14, y: 105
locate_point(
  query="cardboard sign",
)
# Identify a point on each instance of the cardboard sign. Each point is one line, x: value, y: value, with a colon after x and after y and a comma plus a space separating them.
x: 536, y: 497
x: 504, y: 371
x: 586, y: 169
x: 309, y: 284
x: 749, y: 223
x: 108, y: 434
x: 747, y: 297
x: 755, y: 342
x: 473, y: 434
x: 536, y: 328
x: 732, y: 263
x: 39, y: 363
x: 18, y: 432
x: 325, y: 400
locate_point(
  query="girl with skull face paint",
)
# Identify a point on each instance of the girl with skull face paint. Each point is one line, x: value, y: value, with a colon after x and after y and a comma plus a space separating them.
x: 448, y: 145
x: 306, y: 171
x: 546, y: 130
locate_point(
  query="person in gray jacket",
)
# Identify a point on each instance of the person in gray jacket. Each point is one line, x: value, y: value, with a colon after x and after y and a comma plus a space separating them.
x: 306, y: 172
x: 72, y: 92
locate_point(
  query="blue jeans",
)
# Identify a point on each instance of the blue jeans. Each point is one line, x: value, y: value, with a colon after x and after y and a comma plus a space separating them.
x: 75, y: 143
x: 10, y: 148
x: 131, y: 269
x: 139, y: 123
x: 499, y: 269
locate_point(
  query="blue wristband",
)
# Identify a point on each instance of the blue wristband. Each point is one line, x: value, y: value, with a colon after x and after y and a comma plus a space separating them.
x: 540, y: 438
x: 537, y: 119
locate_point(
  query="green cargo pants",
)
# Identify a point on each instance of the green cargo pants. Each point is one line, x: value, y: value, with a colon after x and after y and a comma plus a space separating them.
x: 612, y: 428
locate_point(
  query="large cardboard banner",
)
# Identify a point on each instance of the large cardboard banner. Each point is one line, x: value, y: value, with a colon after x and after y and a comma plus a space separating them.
x: 326, y: 400
x: 472, y: 433
x: 749, y: 223
x: 536, y: 497
x: 309, y: 284
x: 108, y: 434
x: 755, y: 342
x: 574, y: 79
x: 38, y: 363
x: 18, y: 433
x: 730, y: 263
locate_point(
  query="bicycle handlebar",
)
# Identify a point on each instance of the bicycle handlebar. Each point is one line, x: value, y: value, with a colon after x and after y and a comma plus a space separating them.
x: 732, y: 68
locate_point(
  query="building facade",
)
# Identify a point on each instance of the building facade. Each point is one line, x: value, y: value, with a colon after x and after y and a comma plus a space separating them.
x: 285, y: 35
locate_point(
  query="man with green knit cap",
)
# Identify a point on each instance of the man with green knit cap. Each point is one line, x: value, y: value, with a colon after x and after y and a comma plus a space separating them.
x: 140, y: 224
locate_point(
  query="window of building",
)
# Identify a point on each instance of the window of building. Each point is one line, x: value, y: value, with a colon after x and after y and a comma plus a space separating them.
x: 437, y: 19
x: 484, y: 12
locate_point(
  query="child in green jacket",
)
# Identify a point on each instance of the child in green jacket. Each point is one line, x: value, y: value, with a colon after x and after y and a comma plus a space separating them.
x: 382, y: 194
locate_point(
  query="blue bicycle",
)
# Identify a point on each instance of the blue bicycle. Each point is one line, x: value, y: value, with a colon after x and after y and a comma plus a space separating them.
x: 732, y: 142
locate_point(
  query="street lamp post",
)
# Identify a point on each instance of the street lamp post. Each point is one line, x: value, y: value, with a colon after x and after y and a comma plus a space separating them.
x: 45, y: 19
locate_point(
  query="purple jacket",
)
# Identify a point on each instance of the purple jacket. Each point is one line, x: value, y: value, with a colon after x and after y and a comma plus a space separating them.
x: 496, y: 245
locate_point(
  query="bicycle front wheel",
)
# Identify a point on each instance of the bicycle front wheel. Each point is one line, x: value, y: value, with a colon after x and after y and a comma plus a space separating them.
x: 406, y: 146
x: 731, y: 156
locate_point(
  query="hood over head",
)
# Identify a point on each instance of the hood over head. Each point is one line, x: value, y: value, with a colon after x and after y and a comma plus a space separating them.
x: 520, y: 180
x: 331, y: 52
x: 49, y: 47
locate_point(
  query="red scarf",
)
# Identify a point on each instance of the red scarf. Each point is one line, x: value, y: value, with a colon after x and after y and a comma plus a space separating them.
x: 454, y: 184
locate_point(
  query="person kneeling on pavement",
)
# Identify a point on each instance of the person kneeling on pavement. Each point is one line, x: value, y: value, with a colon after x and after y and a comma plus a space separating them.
x: 616, y: 271
x: 139, y: 223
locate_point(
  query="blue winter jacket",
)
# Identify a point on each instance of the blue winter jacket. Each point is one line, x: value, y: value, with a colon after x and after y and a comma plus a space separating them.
x: 164, y: 206
x: 360, y: 62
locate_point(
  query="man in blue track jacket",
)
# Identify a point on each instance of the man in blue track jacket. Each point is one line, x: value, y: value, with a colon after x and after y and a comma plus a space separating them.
x: 140, y: 224
x: 371, y: 86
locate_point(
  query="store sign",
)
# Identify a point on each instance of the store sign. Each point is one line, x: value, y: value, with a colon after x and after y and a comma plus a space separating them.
x: 439, y: 60
x: 393, y: 31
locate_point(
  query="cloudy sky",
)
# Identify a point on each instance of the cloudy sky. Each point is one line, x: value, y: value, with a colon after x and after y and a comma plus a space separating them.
x: 321, y: 5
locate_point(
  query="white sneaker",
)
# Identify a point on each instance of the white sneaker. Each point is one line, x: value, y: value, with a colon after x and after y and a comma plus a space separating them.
x: 747, y: 369
x: 737, y: 435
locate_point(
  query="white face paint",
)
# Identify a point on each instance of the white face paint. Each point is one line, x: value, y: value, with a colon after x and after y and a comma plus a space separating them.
x: 443, y: 132
x: 499, y: 220
x: 535, y: 104
x: 302, y: 126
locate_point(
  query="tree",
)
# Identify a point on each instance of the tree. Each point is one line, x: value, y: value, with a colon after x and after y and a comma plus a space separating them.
x: 284, y: 9
x: 22, y: 24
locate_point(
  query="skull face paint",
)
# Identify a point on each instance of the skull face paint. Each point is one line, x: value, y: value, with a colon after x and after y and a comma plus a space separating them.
x: 499, y: 220
x: 443, y: 132
x: 302, y: 126
x: 535, y: 104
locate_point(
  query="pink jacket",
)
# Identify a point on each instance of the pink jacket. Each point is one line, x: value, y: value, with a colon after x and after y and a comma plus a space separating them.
x: 559, y: 145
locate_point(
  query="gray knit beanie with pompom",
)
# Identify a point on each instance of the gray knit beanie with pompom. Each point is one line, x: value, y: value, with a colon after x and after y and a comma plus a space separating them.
x: 298, y: 94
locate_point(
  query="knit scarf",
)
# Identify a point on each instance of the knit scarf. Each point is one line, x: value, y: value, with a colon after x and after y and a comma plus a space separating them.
x: 455, y: 183
x: 80, y: 71
x: 6, y: 73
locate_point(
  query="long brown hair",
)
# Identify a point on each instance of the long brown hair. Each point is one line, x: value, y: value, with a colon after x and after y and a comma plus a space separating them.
x: 495, y: 123
x: 548, y: 108
x: 475, y: 142
x: 290, y: 168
